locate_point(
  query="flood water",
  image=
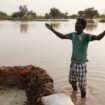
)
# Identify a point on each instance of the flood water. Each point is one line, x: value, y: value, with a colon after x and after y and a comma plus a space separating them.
x: 25, y: 43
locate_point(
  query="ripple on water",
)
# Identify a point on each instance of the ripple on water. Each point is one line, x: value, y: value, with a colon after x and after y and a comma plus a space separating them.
x: 95, y: 87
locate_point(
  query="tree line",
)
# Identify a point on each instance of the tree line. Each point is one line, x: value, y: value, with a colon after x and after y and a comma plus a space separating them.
x: 54, y: 13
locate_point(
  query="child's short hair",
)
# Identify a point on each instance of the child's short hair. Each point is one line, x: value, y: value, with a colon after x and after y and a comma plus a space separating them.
x: 83, y: 22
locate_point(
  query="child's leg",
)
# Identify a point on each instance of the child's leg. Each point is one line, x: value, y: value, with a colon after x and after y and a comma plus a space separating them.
x: 73, y: 77
x: 82, y: 78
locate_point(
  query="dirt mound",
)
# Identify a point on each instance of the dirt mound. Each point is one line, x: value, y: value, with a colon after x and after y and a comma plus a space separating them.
x: 34, y: 80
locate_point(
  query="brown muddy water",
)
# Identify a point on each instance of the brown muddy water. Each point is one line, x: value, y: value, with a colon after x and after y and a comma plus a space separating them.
x: 24, y: 43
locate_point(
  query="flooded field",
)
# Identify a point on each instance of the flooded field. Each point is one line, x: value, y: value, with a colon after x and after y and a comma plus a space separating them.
x: 24, y: 43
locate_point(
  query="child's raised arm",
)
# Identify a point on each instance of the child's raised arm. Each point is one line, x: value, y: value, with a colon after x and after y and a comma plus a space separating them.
x: 98, y: 37
x: 60, y: 35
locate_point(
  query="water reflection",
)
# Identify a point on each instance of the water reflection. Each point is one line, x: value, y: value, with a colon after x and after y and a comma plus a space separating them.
x: 74, y: 97
x: 91, y: 25
x: 56, y: 25
x: 24, y: 27
x: 77, y: 101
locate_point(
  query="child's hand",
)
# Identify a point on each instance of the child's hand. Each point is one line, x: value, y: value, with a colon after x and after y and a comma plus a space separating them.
x: 49, y: 26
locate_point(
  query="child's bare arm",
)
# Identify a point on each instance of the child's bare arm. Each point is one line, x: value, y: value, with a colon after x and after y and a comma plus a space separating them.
x: 60, y: 35
x: 99, y: 37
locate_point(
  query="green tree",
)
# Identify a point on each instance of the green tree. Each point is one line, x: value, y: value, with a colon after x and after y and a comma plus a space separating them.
x: 91, y: 12
x: 3, y: 15
x: 88, y: 13
x: 16, y: 14
x: 81, y: 13
x: 73, y: 16
x: 31, y: 14
x: 54, y: 13
x: 23, y: 11
x: 47, y: 16
x: 64, y: 15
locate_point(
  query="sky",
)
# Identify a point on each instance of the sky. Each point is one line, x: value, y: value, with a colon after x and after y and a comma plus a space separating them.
x: 43, y: 6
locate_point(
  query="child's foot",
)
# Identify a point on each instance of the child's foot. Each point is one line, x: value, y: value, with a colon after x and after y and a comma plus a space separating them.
x: 74, y: 88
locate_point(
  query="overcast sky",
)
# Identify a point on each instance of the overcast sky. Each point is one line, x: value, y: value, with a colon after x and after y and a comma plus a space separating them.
x: 43, y: 6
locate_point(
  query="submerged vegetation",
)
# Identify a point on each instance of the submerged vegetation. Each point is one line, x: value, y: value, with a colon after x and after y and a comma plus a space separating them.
x: 54, y: 14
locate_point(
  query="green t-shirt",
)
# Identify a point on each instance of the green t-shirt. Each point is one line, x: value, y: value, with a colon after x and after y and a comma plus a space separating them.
x: 79, y: 45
